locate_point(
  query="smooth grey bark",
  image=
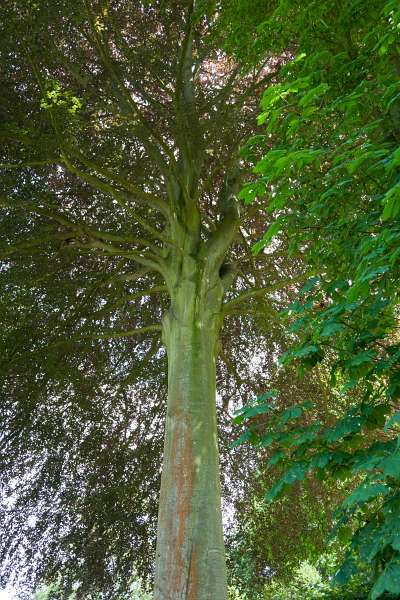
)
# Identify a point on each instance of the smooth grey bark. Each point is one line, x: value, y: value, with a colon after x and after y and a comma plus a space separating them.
x: 190, y: 560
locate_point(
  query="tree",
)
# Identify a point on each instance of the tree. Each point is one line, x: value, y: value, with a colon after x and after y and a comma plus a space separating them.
x: 330, y: 173
x: 120, y: 172
x: 312, y: 581
x: 270, y: 540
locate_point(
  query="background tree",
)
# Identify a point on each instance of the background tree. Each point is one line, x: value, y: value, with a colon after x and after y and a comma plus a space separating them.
x: 120, y: 135
x: 330, y: 173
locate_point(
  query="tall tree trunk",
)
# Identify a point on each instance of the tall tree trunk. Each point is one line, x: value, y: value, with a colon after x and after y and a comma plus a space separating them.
x: 190, y: 549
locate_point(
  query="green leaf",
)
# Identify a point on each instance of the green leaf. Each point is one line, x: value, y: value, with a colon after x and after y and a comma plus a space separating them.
x: 295, y: 473
x: 394, y: 159
x: 272, y: 230
x: 309, y: 285
x: 306, y: 434
x: 251, y: 191
x: 389, y: 581
x: 268, y: 439
x: 305, y: 351
x: 271, y: 394
x: 359, y: 290
x: 375, y: 273
x: 319, y: 461
x: 344, y: 427
x: 276, y: 458
x: 292, y: 413
x: 344, y: 535
x: 391, y: 465
x: 364, y: 493
x: 247, y: 436
x: 312, y: 94
x: 391, y: 203
x: 251, y: 411
x: 331, y: 328
x: 362, y: 357
x: 346, y: 572
x: 392, y: 421
x: 275, y: 491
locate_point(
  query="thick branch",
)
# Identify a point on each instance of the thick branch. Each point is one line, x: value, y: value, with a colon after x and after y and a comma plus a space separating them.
x: 146, y: 197
x: 226, y: 230
x: 31, y: 245
x: 222, y: 238
x: 188, y: 123
x: 98, y: 184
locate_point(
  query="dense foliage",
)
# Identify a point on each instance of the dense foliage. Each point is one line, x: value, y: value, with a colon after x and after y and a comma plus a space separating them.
x: 330, y: 173
x: 259, y: 543
x: 312, y: 581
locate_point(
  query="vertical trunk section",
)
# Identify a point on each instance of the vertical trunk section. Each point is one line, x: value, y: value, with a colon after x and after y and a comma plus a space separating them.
x: 190, y: 560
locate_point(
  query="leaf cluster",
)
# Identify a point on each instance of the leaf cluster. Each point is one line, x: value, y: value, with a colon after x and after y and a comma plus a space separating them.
x: 329, y: 173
